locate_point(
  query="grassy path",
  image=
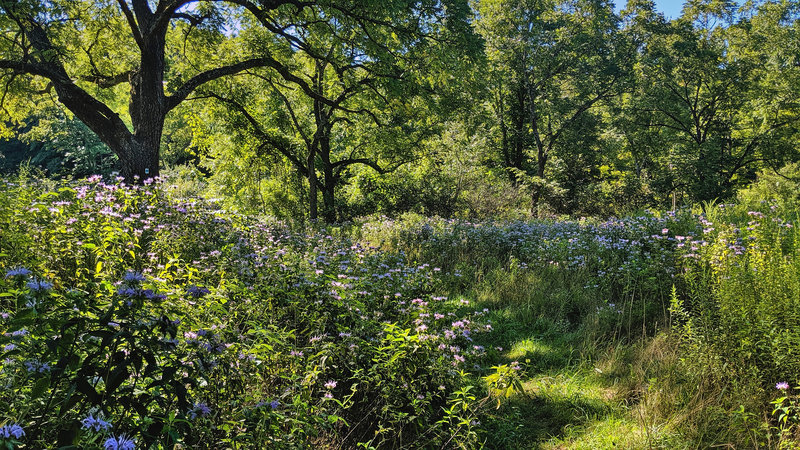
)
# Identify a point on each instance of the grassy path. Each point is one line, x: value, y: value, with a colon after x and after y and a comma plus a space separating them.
x: 577, y: 396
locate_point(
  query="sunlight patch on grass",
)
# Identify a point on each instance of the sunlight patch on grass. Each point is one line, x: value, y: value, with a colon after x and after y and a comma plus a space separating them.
x: 528, y: 348
x: 615, y: 432
x: 566, y: 386
x: 611, y: 432
x: 600, y: 417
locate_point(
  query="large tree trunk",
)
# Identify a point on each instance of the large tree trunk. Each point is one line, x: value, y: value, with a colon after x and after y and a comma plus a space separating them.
x: 141, y: 155
x: 329, y: 208
x: 138, y: 152
x: 139, y: 161
x: 322, y: 119
x: 520, y: 129
x: 543, y: 147
x: 328, y: 199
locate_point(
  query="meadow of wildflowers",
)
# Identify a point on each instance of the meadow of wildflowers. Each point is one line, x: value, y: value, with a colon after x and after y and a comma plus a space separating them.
x: 129, y: 319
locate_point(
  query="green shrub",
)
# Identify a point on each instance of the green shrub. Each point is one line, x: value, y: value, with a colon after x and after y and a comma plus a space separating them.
x: 781, y: 187
x: 127, y: 315
x: 739, y: 319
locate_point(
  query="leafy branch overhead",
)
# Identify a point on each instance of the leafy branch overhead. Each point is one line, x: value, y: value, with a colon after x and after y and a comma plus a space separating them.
x: 165, y: 50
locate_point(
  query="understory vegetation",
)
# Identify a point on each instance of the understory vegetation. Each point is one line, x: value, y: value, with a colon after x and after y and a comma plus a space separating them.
x: 405, y: 224
x: 133, y: 318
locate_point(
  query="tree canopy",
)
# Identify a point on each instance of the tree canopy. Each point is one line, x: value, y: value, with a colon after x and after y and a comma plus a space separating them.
x: 338, y: 108
x: 79, y: 53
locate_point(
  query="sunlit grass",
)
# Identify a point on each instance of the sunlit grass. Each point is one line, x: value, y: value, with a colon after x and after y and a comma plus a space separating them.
x: 613, y: 432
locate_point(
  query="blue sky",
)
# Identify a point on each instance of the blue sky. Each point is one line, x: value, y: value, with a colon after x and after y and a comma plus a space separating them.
x: 670, y: 8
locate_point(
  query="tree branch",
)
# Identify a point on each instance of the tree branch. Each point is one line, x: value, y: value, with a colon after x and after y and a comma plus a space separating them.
x: 265, y: 61
x: 107, y: 81
x: 265, y: 137
x: 364, y: 161
x: 292, y: 115
x: 95, y: 114
x: 21, y: 67
x: 193, y: 83
x: 137, y: 33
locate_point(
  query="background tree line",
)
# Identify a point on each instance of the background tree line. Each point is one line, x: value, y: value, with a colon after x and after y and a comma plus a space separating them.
x: 335, y: 109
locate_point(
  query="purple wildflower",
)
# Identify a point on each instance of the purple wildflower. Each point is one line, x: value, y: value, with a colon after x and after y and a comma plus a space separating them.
x: 132, y: 277
x: 37, y: 285
x: 36, y: 366
x: 126, y: 291
x: 96, y: 424
x: 200, y: 409
x: 150, y: 295
x: 197, y: 291
x: 782, y: 386
x: 18, y: 272
x: 14, y: 430
x: 121, y: 442
x: 19, y: 333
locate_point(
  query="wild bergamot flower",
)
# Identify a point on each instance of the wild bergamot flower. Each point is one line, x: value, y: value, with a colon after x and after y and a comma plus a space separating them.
x: 37, y: 285
x: 96, y: 424
x: 18, y: 272
x: 14, y: 430
x: 121, y: 442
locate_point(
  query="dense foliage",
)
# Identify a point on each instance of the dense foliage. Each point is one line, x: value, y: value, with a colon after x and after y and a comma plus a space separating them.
x: 337, y: 110
x: 134, y: 317
x: 176, y: 325
x: 406, y: 224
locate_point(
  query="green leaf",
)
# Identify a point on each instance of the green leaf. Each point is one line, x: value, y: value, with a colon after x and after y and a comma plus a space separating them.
x: 40, y: 387
x: 87, y: 390
x: 118, y: 375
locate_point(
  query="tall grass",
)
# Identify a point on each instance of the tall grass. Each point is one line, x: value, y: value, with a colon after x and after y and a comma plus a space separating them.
x: 674, y: 330
x: 690, y: 319
x: 739, y: 320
